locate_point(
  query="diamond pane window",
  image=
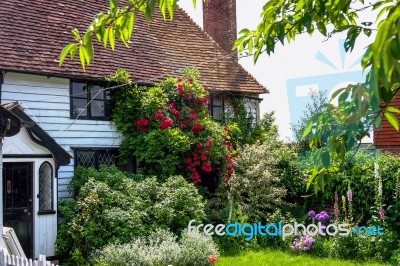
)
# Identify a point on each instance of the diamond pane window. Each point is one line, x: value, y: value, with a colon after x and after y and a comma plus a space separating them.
x: 45, y: 187
x: 94, y: 157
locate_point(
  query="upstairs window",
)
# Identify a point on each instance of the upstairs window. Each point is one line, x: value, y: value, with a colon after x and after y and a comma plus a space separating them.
x: 90, y: 101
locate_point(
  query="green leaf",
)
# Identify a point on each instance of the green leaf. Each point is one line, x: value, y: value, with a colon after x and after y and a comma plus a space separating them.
x: 105, y: 37
x: 392, y: 109
x: 113, y: 8
x: 65, y: 52
x: 82, y: 57
x: 111, y: 38
x: 76, y: 34
x: 326, y: 159
x: 321, y: 182
x: 392, y: 120
x: 308, y: 128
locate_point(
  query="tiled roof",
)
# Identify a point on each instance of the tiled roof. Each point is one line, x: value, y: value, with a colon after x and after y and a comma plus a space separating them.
x: 34, y: 32
x: 386, y: 137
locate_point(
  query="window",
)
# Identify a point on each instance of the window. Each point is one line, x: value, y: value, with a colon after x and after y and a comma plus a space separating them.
x: 94, y: 157
x: 251, y: 108
x: 45, y: 187
x: 221, y: 108
x: 81, y: 106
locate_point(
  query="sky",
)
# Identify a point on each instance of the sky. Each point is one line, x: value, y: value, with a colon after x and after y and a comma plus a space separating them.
x: 307, y: 64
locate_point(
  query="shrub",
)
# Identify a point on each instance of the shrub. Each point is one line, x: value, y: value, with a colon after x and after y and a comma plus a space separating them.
x: 159, y: 248
x: 254, y: 186
x: 113, y: 208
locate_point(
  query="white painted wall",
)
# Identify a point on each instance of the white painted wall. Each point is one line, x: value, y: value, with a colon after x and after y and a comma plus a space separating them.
x: 47, y: 101
x: 44, y: 225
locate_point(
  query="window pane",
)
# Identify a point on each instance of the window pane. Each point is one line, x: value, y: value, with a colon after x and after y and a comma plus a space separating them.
x: 78, y: 106
x: 106, y: 157
x: 79, y: 89
x: 217, y: 101
x: 45, y: 187
x: 218, y: 113
x: 85, y: 159
x: 97, y: 108
x: 96, y: 90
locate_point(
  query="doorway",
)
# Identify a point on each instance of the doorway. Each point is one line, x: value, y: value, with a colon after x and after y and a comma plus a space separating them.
x: 18, y: 202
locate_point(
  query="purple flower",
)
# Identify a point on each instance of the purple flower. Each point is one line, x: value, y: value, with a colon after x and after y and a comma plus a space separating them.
x: 382, y: 214
x: 325, y: 217
x: 311, y: 213
x: 336, y: 196
x: 318, y: 217
x: 349, y: 195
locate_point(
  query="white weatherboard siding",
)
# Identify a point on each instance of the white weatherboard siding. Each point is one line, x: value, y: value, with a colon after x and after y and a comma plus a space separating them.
x: 48, y: 103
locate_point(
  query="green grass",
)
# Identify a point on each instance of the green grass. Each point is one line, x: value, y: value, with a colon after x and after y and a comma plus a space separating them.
x: 277, y: 258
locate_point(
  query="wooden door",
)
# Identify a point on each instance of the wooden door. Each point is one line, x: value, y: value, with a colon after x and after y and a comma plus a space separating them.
x: 18, y: 202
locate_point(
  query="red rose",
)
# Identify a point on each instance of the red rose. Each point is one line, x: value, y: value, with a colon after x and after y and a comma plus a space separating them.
x: 193, y: 117
x: 197, y: 128
x: 209, y: 143
x: 172, y: 106
x: 142, y: 124
x: 166, y: 123
x: 227, y: 179
x: 190, y: 80
x: 188, y: 160
x: 230, y: 171
x: 204, y: 158
x: 207, y: 152
x: 180, y: 88
x: 179, y: 79
x: 199, y: 145
x: 159, y: 115
x: 186, y: 122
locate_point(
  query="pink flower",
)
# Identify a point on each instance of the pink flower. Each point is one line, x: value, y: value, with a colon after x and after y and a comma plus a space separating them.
x: 166, y: 123
x: 382, y: 214
x: 213, y: 258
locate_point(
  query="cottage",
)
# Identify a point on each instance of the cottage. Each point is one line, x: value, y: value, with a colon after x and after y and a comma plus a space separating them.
x: 39, y: 161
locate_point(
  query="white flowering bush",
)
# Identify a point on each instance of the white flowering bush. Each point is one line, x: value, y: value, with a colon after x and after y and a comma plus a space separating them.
x: 255, y: 186
x: 160, y: 248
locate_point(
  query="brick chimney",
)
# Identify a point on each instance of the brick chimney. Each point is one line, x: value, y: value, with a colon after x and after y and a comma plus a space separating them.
x: 219, y: 21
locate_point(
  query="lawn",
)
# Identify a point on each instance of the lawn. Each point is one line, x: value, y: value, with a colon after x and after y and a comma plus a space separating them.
x: 276, y: 258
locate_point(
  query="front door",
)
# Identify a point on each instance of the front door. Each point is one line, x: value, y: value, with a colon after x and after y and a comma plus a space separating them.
x: 18, y: 202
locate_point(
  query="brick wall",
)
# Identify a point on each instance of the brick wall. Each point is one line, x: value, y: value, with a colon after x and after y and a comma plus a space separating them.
x: 219, y: 21
x: 386, y: 137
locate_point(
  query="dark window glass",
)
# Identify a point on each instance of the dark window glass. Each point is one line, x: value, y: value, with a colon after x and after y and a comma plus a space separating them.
x: 45, y: 187
x: 87, y: 157
x: 90, y: 101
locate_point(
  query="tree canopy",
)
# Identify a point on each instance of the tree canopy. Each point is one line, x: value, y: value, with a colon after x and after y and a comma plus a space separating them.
x: 359, y: 107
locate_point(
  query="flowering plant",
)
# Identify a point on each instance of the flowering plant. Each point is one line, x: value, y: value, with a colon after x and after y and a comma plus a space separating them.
x: 303, y: 244
x: 169, y: 129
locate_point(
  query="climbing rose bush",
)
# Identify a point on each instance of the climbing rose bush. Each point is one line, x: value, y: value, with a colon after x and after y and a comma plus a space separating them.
x: 169, y: 129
